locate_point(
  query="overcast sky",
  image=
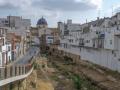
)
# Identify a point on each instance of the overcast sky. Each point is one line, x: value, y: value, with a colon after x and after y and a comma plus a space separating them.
x: 59, y: 10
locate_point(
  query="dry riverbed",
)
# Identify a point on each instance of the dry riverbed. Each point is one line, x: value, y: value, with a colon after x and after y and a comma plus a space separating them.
x: 50, y: 75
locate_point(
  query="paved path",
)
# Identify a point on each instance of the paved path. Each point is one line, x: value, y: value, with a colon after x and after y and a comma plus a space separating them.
x: 33, y: 51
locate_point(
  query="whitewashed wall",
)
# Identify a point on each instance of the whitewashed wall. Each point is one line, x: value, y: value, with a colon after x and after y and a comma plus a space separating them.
x: 101, y: 57
x: 0, y: 59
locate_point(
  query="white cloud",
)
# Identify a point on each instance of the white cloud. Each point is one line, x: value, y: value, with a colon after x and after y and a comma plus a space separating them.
x: 97, y: 3
x: 52, y: 9
x: 113, y: 10
x: 25, y: 7
x: 16, y: 3
x: 116, y: 8
x: 51, y: 5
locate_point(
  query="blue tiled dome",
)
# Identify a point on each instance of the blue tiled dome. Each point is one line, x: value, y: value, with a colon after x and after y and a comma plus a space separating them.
x: 42, y: 21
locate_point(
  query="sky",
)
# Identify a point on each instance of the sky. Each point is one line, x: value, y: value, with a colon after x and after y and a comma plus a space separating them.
x: 53, y: 11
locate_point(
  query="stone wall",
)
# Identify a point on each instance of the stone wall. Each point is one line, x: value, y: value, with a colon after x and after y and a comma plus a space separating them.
x: 61, y: 53
x: 18, y: 85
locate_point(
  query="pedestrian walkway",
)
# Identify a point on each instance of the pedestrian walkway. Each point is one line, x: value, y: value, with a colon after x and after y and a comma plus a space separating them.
x: 20, y: 68
x: 13, y: 62
x: 24, y: 59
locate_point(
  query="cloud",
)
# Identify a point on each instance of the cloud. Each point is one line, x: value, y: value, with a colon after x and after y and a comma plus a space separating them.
x: 113, y: 10
x: 52, y: 9
x: 116, y: 8
x: 69, y: 5
x: 15, y: 3
x: 50, y: 5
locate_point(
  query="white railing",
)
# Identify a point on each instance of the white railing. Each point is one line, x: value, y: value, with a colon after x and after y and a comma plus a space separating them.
x: 15, y: 78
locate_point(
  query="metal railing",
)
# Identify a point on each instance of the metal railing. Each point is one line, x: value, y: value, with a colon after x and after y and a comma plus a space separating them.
x: 8, y: 72
x: 12, y: 71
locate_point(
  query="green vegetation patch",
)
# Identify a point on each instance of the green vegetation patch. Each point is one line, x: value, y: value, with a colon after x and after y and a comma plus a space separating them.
x: 82, y: 83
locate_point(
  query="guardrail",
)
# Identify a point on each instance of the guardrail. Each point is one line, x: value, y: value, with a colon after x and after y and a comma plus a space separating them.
x: 16, y: 72
x: 10, y: 74
x: 12, y: 71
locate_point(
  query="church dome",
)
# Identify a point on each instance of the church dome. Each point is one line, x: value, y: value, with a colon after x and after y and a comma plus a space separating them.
x: 42, y: 21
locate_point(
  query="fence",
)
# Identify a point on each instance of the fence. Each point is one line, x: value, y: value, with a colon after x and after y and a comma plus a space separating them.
x: 17, y: 70
x: 12, y: 71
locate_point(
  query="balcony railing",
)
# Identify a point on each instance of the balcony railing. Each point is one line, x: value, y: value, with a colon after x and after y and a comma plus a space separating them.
x: 81, y: 44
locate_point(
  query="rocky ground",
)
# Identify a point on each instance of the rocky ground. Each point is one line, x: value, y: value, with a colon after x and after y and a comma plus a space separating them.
x: 50, y: 75
x: 39, y: 79
x: 92, y: 77
x: 55, y: 73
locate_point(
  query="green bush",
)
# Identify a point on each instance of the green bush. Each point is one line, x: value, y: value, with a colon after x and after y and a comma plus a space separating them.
x: 36, y: 66
x: 77, y: 81
x: 68, y: 60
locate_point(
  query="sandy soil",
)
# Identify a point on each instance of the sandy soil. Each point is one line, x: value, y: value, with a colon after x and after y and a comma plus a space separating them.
x: 44, y: 85
x: 39, y: 79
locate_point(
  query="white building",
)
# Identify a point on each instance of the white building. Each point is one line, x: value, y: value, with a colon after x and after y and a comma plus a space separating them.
x: 97, y: 41
x: 5, y: 48
x: 16, y: 24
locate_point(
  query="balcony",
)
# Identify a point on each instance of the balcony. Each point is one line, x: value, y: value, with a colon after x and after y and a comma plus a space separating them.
x: 101, y: 36
x: 117, y: 33
x: 81, y: 44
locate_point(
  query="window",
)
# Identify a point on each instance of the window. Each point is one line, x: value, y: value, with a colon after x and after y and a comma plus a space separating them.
x: 3, y: 41
x: 96, y: 32
x: 50, y: 37
x: 115, y: 23
x: 8, y: 48
x: 119, y: 59
x: 0, y: 60
x: 117, y: 27
x: 80, y: 49
x: 9, y: 58
x: 110, y: 41
x: 112, y: 52
x: 87, y: 41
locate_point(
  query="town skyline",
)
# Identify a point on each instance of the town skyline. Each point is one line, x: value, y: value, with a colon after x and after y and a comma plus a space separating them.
x: 59, y: 45
x: 54, y: 11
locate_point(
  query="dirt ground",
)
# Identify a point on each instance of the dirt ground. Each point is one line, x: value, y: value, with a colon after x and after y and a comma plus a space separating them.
x: 55, y: 74
x: 38, y: 83
x: 44, y: 85
x: 102, y: 78
x: 48, y: 78
x: 39, y: 79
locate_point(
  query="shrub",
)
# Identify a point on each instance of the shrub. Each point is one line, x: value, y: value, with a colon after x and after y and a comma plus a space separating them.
x: 77, y: 81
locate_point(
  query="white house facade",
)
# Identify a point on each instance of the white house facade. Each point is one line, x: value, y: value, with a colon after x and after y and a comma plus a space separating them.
x: 5, y: 48
x: 97, y: 41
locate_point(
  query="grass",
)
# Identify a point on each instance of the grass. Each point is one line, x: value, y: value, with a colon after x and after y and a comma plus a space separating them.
x: 55, y: 78
x: 80, y: 82
x: 77, y: 80
x: 36, y: 65
x: 64, y: 66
